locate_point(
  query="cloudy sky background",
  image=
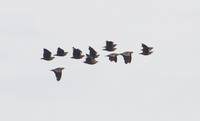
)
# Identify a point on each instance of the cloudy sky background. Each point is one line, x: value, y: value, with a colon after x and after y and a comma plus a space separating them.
x: 161, y: 87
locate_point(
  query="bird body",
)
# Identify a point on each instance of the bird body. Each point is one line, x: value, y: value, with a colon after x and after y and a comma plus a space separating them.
x: 127, y: 56
x: 58, y: 72
x: 47, y: 55
x: 146, y: 50
x: 110, y: 46
x: 146, y: 53
x: 77, y: 54
x: 93, y: 53
x: 112, y: 57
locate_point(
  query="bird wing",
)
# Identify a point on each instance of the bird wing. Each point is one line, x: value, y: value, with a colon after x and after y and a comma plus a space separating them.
x: 109, y: 44
x: 60, y: 51
x: 47, y: 53
x: 113, y: 58
x: 127, y: 59
x: 77, y: 52
x: 145, y: 48
x: 92, y: 52
x: 58, y: 75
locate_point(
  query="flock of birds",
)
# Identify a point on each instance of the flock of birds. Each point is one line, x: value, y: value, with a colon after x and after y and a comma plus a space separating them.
x: 90, y: 58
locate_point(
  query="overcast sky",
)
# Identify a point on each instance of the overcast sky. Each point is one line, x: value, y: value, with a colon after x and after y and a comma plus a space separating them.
x: 161, y: 87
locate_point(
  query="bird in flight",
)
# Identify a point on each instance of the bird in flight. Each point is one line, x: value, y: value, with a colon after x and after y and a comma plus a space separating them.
x: 127, y: 56
x: 146, y: 50
x: 77, y: 54
x: 93, y: 53
x: 90, y: 60
x: 110, y: 46
x: 112, y: 57
x: 60, y: 52
x: 47, y: 55
x: 58, y: 73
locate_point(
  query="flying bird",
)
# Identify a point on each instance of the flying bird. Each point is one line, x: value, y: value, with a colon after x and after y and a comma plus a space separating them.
x: 90, y: 60
x: 110, y: 46
x: 93, y: 53
x: 58, y: 73
x: 60, y: 52
x: 112, y: 57
x: 47, y: 55
x: 146, y: 50
x: 127, y: 56
x: 77, y: 54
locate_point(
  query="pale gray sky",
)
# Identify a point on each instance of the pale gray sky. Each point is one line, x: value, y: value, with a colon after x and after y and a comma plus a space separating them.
x: 161, y: 87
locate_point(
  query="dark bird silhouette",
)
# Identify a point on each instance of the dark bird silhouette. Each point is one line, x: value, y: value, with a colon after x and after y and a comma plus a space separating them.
x: 60, y: 52
x: 110, y: 46
x: 77, y: 54
x: 146, y: 50
x: 90, y: 60
x: 127, y: 56
x: 112, y: 57
x: 47, y: 55
x: 93, y: 53
x: 58, y: 73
